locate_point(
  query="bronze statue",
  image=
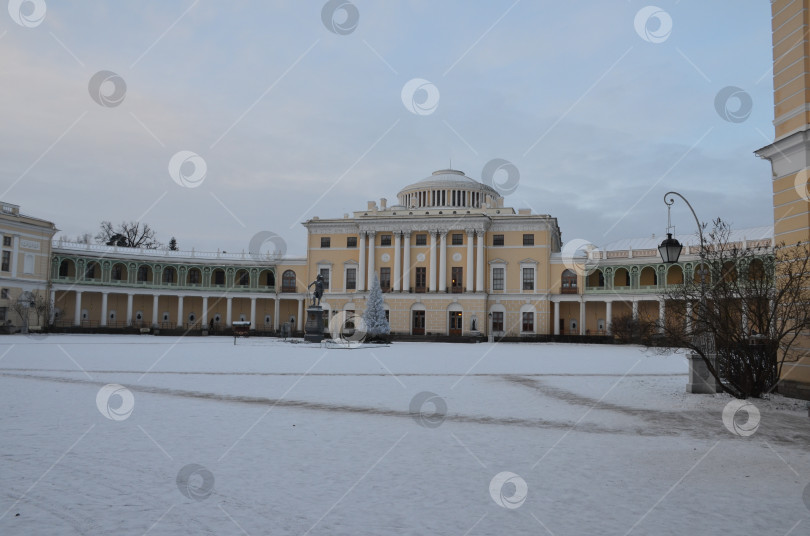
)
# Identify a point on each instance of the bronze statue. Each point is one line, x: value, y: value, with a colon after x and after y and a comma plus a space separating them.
x: 316, y: 296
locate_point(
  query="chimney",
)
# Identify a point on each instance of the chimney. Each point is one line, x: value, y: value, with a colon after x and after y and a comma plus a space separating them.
x: 383, y: 203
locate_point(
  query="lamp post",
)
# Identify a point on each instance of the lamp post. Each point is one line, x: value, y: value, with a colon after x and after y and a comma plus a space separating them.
x: 490, y: 335
x: 670, y: 250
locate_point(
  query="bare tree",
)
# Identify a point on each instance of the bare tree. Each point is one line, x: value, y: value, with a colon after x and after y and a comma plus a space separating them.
x: 131, y: 234
x: 742, y: 309
x: 28, y: 303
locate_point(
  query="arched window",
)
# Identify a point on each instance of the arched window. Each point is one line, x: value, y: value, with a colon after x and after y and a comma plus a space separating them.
x: 288, y: 281
x: 568, y: 282
x: 169, y: 275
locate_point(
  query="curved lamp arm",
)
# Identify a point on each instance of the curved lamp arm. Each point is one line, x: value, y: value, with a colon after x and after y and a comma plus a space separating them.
x: 669, y: 202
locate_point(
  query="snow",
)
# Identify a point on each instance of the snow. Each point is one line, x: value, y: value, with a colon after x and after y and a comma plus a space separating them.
x: 301, y: 439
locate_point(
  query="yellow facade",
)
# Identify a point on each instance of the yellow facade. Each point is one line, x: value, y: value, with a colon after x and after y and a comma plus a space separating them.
x: 789, y: 154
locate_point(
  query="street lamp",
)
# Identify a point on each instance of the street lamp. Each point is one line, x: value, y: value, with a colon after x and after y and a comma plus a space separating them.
x: 670, y: 250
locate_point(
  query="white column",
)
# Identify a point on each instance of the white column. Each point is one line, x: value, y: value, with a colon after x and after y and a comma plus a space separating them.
x: 406, y: 264
x: 608, y: 316
x: 155, y: 310
x: 300, y: 319
x: 51, y: 308
x: 361, y: 272
x: 180, y: 312
x: 372, y: 239
x: 129, y: 309
x: 635, y: 309
x: 556, y: 318
x: 432, y: 261
x: 479, y: 263
x: 277, y: 312
x: 443, y: 262
x: 397, y: 259
x: 582, y: 317
x: 228, y: 311
x: 470, y: 262
x: 662, y: 315
x: 103, y: 309
x: 77, y: 310
x: 205, y: 312
x: 688, y: 317
x: 252, y: 313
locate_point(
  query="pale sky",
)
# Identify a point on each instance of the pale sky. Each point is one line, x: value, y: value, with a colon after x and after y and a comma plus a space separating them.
x: 600, y: 113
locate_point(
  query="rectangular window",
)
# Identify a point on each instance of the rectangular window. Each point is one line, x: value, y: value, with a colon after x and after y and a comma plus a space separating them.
x: 325, y: 274
x: 385, y: 240
x: 6, y: 263
x: 421, y: 240
x: 497, y: 278
x: 385, y: 279
x: 351, y: 278
x: 528, y: 240
x: 421, y: 278
x: 457, y: 273
x: 326, y: 242
x: 528, y: 279
x: 458, y: 239
x: 497, y: 240
x: 497, y: 321
x: 7, y: 241
x: 351, y: 241
x: 528, y: 323
x: 4, y: 293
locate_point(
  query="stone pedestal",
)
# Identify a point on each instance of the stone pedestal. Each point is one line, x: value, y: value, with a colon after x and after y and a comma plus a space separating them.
x: 313, y: 328
x: 701, y: 380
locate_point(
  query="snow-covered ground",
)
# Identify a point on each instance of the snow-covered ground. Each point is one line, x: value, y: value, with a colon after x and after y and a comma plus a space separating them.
x: 267, y: 437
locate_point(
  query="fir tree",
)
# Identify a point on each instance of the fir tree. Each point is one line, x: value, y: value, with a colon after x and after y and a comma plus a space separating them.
x: 377, y: 327
x: 173, y: 244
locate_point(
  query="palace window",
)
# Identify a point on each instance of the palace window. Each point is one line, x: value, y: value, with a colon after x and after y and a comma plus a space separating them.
x: 351, y: 278
x: 116, y: 274
x: 288, y: 281
x: 497, y: 321
x: 351, y: 241
x: 325, y: 274
x: 244, y: 279
x: 4, y: 293
x: 6, y: 263
x: 326, y: 242
x: 168, y: 275
x: 421, y: 240
x: 569, y: 282
x: 421, y: 278
x: 7, y: 241
x: 143, y: 273
x: 64, y: 267
x: 194, y: 276
x: 385, y: 279
x: 385, y: 240
x: 528, y: 279
x: 528, y: 322
x: 497, y: 278
x: 219, y: 277
x: 90, y: 271
x: 458, y: 239
x: 497, y: 240
x: 528, y: 240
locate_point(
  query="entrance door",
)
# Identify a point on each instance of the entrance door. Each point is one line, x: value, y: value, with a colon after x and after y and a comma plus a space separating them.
x: 455, y: 323
x: 418, y: 323
x: 562, y: 326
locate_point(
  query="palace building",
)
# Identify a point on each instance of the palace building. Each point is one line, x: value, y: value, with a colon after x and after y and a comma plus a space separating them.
x: 450, y: 257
